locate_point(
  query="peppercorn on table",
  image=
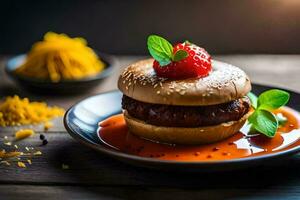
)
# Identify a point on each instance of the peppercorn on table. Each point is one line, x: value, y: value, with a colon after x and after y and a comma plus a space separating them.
x: 61, y: 168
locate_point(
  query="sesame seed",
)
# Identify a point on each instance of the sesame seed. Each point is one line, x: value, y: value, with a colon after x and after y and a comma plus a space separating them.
x: 21, y: 164
x: 182, y: 92
x: 37, y: 153
x: 5, y: 162
x: 7, y: 143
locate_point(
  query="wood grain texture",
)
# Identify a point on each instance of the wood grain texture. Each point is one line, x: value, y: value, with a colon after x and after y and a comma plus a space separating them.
x: 93, y: 175
x: 146, y: 193
x: 90, y: 168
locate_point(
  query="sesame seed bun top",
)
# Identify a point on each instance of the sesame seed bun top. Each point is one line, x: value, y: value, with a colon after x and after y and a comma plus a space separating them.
x: 225, y: 83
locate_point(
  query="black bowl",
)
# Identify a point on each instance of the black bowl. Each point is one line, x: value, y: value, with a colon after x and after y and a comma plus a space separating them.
x: 61, y: 87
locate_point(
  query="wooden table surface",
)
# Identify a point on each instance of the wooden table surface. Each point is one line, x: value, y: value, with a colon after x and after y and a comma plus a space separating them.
x: 95, y: 176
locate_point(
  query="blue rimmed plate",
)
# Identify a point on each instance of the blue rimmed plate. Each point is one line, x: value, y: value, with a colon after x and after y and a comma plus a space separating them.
x: 81, y: 121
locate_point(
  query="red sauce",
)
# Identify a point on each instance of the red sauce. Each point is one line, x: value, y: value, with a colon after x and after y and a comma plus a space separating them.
x: 114, y: 133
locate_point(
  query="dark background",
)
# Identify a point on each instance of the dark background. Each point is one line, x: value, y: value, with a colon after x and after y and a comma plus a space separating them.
x: 121, y: 27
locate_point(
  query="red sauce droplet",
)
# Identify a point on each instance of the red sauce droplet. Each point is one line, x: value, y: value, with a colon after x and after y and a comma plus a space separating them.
x: 197, y: 153
x: 226, y: 154
x: 114, y: 133
x: 216, y: 149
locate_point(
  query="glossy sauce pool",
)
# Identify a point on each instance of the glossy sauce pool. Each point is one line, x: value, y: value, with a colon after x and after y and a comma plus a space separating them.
x: 114, y: 134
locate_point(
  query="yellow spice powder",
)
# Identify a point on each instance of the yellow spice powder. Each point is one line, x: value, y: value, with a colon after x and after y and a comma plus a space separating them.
x: 4, y: 154
x: 17, y: 111
x: 48, y: 125
x: 23, y: 133
x: 21, y: 164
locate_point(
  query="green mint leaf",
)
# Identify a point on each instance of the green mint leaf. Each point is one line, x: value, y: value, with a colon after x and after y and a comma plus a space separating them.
x: 253, y: 98
x: 180, y: 55
x: 272, y: 99
x: 264, y: 122
x: 252, y: 131
x: 281, y: 119
x: 160, y: 49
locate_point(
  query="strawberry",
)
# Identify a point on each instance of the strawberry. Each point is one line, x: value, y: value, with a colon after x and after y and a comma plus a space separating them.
x: 184, y: 60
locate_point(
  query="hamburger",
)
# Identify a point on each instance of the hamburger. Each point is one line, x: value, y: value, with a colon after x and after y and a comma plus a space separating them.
x: 193, y: 100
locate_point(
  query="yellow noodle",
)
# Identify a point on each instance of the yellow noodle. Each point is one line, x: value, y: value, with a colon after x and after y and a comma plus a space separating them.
x: 67, y: 72
x: 54, y: 76
x: 59, y: 57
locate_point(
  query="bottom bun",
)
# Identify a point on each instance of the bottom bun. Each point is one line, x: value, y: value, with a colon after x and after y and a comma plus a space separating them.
x: 182, y: 135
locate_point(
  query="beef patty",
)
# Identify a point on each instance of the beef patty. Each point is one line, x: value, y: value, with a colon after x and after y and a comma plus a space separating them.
x: 186, y: 116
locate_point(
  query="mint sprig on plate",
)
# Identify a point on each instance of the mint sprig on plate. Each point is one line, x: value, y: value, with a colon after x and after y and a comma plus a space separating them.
x: 262, y: 119
x: 162, y: 50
